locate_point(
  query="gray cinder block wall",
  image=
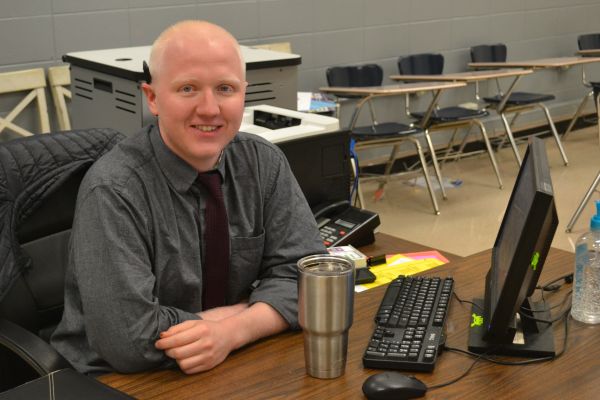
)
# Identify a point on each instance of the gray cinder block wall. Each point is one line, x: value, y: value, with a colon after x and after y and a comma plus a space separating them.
x: 36, y: 33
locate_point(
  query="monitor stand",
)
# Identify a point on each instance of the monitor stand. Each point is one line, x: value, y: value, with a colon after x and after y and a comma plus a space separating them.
x: 537, y: 338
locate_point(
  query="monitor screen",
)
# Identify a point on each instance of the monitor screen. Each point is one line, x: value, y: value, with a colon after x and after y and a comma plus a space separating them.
x: 520, y: 249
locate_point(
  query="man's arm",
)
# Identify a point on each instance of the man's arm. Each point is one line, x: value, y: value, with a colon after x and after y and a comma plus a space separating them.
x: 290, y: 233
x: 219, y: 313
x: 201, y: 345
x: 110, y: 253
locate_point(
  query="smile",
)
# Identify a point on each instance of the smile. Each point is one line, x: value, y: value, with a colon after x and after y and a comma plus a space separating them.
x: 205, y: 128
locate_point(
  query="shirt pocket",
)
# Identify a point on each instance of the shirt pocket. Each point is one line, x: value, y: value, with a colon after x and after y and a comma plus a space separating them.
x: 245, y: 264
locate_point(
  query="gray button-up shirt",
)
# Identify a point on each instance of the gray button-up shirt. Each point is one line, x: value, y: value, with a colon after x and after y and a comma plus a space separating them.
x: 136, y: 247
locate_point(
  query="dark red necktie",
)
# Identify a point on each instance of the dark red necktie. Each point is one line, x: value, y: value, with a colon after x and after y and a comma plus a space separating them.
x: 215, y: 266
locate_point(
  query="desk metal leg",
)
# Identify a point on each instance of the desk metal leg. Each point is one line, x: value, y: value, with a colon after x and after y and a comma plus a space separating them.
x: 436, y: 209
x: 436, y: 166
x: 511, y: 138
x: 555, y: 133
x: 577, y: 113
x: 598, y: 116
x: 583, y: 203
x: 489, y: 149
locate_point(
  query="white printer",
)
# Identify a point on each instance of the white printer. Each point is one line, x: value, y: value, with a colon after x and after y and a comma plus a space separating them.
x: 279, y: 125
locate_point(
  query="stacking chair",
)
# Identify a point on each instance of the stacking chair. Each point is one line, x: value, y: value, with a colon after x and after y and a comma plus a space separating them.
x: 516, y: 102
x: 59, y: 77
x: 588, y: 41
x: 377, y: 135
x: 33, y: 82
x: 447, y: 117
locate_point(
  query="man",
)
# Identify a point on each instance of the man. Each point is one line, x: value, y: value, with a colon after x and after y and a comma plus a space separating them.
x: 137, y: 275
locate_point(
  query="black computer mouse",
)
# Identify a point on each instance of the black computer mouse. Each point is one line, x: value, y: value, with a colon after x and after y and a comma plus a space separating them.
x: 393, y: 386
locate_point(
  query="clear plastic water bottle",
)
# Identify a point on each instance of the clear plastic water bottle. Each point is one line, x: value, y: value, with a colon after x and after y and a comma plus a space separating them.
x: 586, y: 283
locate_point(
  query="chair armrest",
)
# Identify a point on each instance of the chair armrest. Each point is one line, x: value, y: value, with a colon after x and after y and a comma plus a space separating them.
x: 38, y: 354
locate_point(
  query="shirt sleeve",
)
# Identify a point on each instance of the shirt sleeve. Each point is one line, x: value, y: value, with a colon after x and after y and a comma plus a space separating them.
x: 290, y: 234
x: 111, y: 255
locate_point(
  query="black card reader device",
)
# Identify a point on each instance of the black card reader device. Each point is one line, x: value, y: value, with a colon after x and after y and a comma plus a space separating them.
x: 342, y: 224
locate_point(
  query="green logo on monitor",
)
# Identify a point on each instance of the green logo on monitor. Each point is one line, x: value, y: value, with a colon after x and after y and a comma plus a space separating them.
x: 534, y: 260
x: 477, y: 320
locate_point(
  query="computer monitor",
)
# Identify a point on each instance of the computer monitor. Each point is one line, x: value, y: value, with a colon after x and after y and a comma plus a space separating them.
x: 321, y: 166
x: 500, y: 323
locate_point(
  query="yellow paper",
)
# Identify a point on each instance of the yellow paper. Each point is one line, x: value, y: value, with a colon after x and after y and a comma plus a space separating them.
x: 399, y: 264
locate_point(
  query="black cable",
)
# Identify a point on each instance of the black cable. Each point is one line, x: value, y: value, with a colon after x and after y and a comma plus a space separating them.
x: 483, y: 356
x: 565, y: 315
x: 551, y: 307
x: 454, y: 380
x: 567, y: 297
x: 497, y: 361
x: 568, y: 278
x: 466, y: 301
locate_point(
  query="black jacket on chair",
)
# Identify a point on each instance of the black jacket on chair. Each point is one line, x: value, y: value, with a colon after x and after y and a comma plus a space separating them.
x: 39, y: 179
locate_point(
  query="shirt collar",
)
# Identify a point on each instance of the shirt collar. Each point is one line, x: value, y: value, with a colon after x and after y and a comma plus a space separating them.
x: 179, y: 173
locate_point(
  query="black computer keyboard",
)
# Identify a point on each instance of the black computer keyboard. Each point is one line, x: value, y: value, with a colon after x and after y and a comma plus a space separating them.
x: 410, y: 323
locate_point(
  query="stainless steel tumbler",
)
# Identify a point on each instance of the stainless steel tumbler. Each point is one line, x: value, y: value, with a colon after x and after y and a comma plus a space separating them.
x: 325, y: 311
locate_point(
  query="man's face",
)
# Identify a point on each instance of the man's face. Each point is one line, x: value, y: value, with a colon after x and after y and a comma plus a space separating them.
x: 198, y: 95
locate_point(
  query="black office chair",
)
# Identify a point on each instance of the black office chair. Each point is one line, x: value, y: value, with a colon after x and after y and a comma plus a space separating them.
x: 377, y: 134
x: 517, y: 101
x: 447, y: 117
x: 590, y: 41
x: 39, y: 180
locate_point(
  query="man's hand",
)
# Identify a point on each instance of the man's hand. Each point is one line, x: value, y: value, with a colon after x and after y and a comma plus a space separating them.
x: 199, y: 345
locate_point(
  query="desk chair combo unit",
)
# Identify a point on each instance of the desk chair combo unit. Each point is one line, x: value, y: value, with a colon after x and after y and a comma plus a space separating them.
x: 432, y: 64
x: 39, y: 180
x: 32, y: 83
x: 59, y: 78
x: 589, y: 42
x: 513, y: 102
x: 377, y: 134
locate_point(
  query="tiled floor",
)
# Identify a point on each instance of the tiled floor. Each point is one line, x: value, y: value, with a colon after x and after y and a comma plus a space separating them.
x: 470, y: 217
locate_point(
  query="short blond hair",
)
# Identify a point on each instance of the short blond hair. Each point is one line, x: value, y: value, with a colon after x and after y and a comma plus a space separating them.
x: 211, y: 29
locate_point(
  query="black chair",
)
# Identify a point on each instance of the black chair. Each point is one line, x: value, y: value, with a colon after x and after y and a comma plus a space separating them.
x: 448, y: 117
x: 516, y: 102
x: 39, y: 180
x: 377, y: 135
x: 590, y: 41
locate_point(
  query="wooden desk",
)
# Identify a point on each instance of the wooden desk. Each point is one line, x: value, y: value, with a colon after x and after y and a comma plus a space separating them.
x: 556, y: 62
x: 366, y: 94
x: 501, y: 107
x: 589, y: 52
x: 274, y: 368
x: 467, y: 76
x: 540, y: 63
x: 370, y: 92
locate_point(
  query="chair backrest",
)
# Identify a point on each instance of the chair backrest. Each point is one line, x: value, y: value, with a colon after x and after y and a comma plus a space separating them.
x: 355, y: 75
x: 39, y: 180
x: 589, y: 41
x: 32, y: 81
x: 489, y: 53
x: 59, y: 78
x: 421, y: 64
